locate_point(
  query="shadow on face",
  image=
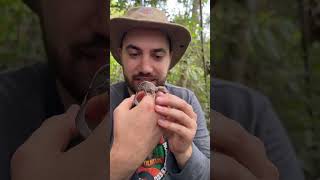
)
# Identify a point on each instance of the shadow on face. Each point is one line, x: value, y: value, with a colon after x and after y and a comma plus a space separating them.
x: 76, y: 37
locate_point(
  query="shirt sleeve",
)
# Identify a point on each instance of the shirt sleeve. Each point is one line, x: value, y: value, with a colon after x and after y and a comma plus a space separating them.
x: 278, y: 147
x: 198, y: 165
x: 254, y: 112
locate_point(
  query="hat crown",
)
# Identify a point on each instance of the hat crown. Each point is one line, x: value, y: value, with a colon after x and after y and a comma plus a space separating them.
x: 147, y: 14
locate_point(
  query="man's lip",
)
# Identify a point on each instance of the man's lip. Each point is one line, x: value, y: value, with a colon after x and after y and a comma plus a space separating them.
x: 145, y: 79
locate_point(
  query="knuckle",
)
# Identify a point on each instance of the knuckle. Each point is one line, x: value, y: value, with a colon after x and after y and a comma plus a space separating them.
x: 148, y: 105
x: 179, y: 130
x: 188, y: 106
x: 195, y: 125
x: 115, y: 112
x: 239, y: 136
x: 274, y: 172
x: 185, y: 105
x: 19, y: 156
x: 167, y: 111
x: 258, y: 143
x: 242, y: 138
x: 195, y: 116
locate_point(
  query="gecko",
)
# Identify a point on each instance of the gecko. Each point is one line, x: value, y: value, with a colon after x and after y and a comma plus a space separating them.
x: 148, y: 88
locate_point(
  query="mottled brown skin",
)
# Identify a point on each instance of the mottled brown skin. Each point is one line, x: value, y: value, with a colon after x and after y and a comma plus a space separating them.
x: 148, y: 88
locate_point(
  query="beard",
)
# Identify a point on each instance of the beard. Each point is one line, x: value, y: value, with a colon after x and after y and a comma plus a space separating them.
x: 158, y: 81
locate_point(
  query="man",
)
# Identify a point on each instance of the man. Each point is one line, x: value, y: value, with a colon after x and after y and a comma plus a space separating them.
x: 147, y: 46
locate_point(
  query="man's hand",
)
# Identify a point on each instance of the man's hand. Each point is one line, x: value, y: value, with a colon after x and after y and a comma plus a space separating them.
x: 44, y: 155
x: 237, y: 154
x: 136, y: 133
x: 180, y: 122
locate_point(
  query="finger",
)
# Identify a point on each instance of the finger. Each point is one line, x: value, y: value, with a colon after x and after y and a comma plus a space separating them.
x: 97, y: 108
x: 227, y: 168
x: 94, y: 151
x: 177, y: 115
x: 175, y: 102
x: 146, y: 104
x: 98, y: 140
x: 175, y: 128
x: 55, y: 133
x: 239, y: 144
x: 125, y: 105
x: 160, y: 93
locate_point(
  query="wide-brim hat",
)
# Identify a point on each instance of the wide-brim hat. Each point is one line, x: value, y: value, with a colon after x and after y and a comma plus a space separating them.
x: 33, y: 5
x: 149, y: 18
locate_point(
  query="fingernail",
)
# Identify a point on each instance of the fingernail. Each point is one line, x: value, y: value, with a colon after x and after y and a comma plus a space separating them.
x: 159, y: 99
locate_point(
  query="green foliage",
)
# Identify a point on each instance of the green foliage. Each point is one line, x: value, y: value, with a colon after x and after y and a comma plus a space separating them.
x: 115, y: 71
x: 20, y: 35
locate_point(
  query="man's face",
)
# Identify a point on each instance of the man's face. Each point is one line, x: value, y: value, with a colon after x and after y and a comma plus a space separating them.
x: 76, y: 36
x: 145, y: 56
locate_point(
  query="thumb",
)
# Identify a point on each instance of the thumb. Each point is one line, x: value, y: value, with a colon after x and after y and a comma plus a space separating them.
x: 97, y: 108
x: 55, y: 133
x: 125, y: 104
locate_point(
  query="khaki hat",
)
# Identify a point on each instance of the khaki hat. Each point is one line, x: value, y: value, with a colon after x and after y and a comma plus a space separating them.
x: 149, y: 18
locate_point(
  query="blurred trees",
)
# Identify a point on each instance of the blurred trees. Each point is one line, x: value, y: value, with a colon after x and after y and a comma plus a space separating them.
x: 263, y: 44
x: 20, y: 35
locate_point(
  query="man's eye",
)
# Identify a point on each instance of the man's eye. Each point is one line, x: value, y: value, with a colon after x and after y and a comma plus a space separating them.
x: 158, y: 56
x: 133, y: 54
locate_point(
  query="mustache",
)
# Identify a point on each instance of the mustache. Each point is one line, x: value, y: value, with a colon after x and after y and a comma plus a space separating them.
x: 144, y: 76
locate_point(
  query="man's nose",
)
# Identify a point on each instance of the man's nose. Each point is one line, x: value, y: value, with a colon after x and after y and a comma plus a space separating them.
x: 145, y: 64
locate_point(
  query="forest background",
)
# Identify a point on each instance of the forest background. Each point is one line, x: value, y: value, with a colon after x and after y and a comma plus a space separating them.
x: 269, y: 45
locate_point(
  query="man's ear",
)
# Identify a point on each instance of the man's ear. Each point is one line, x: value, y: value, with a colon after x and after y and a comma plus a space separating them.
x: 171, y: 55
x: 119, y: 51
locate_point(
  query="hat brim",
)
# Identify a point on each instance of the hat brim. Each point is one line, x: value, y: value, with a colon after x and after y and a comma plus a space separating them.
x: 179, y: 35
x: 33, y: 5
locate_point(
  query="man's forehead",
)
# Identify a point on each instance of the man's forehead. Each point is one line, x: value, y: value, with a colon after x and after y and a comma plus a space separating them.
x: 134, y: 47
x: 137, y: 36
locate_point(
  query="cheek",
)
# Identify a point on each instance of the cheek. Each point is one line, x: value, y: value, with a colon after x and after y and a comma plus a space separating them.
x: 163, y: 73
x: 129, y: 66
x: 128, y: 70
x: 162, y: 68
